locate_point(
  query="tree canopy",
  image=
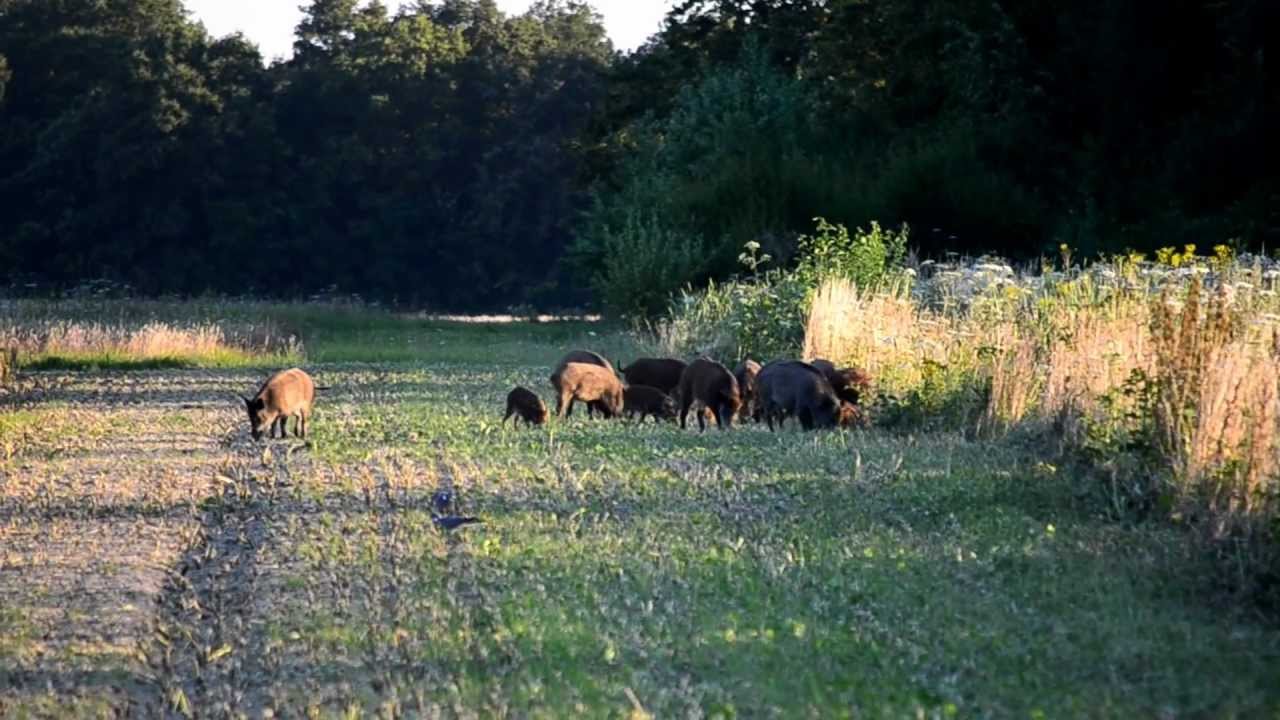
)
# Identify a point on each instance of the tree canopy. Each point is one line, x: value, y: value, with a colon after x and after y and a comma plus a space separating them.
x: 446, y: 154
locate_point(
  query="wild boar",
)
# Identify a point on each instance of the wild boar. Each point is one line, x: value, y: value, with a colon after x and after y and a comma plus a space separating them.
x: 644, y: 401
x: 590, y: 358
x: 851, y: 416
x: 661, y: 373
x: 288, y: 393
x: 525, y: 405
x: 592, y: 384
x: 849, y: 383
x: 746, y: 374
x: 791, y: 387
x: 710, y: 383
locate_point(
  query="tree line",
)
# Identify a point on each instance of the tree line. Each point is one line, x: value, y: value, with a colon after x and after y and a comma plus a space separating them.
x: 445, y: 154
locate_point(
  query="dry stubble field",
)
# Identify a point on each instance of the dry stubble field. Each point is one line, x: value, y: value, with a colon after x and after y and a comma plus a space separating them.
x: 156, y: 562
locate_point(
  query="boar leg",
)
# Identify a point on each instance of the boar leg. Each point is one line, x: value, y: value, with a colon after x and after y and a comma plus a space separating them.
x: 564, y: 404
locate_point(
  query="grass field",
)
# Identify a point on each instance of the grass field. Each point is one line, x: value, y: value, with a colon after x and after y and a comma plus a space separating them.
x: 154, y: 561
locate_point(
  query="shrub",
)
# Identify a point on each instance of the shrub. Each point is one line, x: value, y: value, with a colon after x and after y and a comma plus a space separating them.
x: 644, y: 263
x: 864, y: 257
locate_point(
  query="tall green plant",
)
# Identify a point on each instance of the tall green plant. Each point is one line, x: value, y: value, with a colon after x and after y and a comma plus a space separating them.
x: 863, y: 257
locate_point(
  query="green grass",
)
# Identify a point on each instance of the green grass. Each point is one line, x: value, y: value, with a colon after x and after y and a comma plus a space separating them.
x: 717, y: 574
x: 734, y: 574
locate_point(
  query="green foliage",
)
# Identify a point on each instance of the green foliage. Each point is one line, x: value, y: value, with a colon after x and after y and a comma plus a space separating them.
x: 1120, y: 440
x: 760, y: 318
x: 642, y: 262
x: 426, y: 156
x: 864, y: 257
x: 691, y: 171
x: 946, y: 398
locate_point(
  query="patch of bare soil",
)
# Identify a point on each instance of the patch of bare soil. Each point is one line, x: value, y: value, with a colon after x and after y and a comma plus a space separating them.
x: 99, y: 501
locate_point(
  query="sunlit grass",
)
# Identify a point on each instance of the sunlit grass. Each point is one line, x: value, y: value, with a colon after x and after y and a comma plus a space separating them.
x: 620, y: 565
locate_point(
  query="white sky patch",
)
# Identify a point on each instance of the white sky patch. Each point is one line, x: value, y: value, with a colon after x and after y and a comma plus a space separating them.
x: 270, y: 23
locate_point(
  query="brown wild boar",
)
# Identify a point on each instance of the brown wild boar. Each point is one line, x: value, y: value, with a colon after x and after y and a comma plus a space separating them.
x: 525, y: 405
x: 745, y: 374
x: 791, y: 387
x: 851, y: 416
x: 644, y: 401
x: 592, y: 384
x: 590, y: 358
x: 710, y: 383
x: 849, y: 383
x: 288, y: 393
x: 661, y: 373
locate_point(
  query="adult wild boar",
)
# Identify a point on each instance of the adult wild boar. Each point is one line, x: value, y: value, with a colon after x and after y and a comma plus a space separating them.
x: 644, y: 401
x: 525, y: 405
x: 791, y: 387
x: 590, y: 358
x: 592, y: 384
x: 746, y: 374
x: 661, y: 373
x: 710, y: 383
x: 288, y: 393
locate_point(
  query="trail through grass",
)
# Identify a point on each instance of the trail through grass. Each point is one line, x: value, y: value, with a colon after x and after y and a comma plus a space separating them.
x: 622, y: 569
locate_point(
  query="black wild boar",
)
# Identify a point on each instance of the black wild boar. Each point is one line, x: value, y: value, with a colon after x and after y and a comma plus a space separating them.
x: 525, y: 405
x: 710, y: 383
x: 590, y: 358
x: 288, y: 393
x: 791, y: 387
x: 745, y: 374
x: 595, y: 385
x: 661, y: 373
x: 644, y: 401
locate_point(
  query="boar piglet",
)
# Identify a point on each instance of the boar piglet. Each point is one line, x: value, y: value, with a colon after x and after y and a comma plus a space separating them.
x: 644, y: 401
x: 525, y: 405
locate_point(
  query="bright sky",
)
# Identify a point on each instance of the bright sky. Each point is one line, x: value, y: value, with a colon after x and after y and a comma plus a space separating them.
x: 270, y: 23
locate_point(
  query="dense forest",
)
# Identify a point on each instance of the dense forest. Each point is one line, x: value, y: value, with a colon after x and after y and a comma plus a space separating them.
x: 447, y: 155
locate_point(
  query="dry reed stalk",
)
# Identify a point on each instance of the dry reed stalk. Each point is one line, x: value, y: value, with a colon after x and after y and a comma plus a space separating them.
x: 1094, y: 353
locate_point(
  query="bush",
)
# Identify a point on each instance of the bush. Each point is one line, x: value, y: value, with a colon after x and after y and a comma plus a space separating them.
x: 863, y: 258
x: 644, y: 263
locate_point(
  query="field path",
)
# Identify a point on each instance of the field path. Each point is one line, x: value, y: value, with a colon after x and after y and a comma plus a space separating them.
x: 99, y: 499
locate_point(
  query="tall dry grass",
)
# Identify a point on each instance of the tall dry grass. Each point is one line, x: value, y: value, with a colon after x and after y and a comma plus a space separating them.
x: 52, y: 342
x: 1202, y: 372
x: 885, y: 333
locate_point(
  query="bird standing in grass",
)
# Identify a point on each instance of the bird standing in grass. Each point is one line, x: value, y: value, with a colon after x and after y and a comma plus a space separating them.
x: 440, y: 502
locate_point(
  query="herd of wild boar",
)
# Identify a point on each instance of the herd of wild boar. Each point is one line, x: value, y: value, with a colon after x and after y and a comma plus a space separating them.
x: 817, y: 393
